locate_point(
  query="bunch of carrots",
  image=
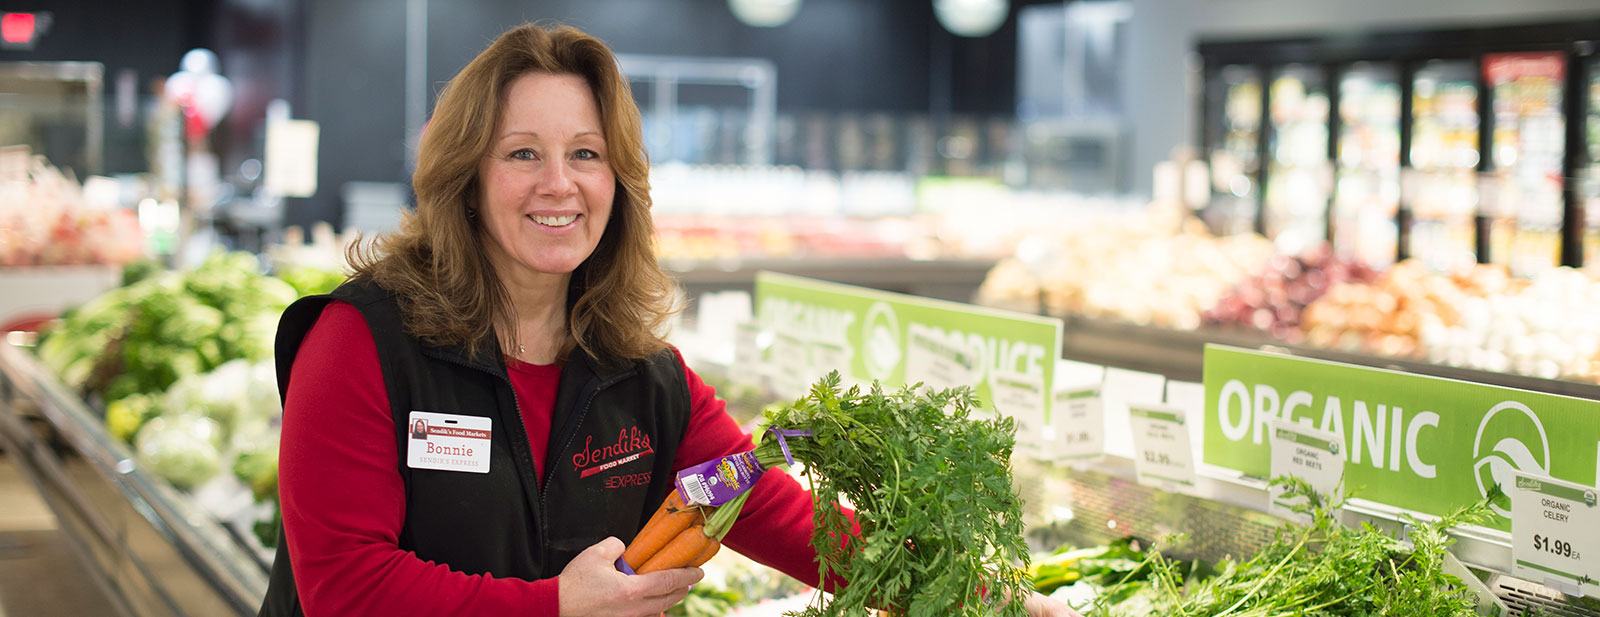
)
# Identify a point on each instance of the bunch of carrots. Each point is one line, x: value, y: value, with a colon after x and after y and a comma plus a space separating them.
x: 680, y: 535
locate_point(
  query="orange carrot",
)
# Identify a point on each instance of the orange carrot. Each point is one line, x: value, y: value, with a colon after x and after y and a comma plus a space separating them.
x: 678, y: 553
x: 707, y: 553
x: 668, y: 522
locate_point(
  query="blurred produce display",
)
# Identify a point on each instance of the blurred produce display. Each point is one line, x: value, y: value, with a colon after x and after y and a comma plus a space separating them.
x: 1536, y: 327
x: 1386, y: 316
x: 1274, y: 299
x: 46, y: 220
x: 1161, y: 269
x: 183, y: 364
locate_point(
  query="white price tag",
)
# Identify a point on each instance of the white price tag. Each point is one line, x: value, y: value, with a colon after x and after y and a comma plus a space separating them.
x: 1078, y: 423
x: 1021, y: 397
x: 1121, y: 389
x: 448, y: 442
x: 1309, y: 454
x: 938, y: 364
x: 827, y: 357
x: 747, y: 366
x: 1555, y: 533
x: 1162, y: 457
x: 789, y: 367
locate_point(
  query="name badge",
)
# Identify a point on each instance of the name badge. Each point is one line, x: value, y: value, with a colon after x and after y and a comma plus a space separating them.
x: 448, y: 442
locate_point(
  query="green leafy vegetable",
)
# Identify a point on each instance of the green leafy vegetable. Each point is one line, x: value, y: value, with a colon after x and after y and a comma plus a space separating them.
x: 1320, y: 569
x: 705, y: 601
x: 941, y: 526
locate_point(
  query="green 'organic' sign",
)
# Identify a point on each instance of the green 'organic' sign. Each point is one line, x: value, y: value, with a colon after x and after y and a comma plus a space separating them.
x: 1426, y: 444
x: 1008, y: 358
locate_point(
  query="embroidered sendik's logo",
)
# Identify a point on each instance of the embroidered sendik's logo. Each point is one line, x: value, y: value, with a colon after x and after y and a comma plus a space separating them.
x: 631, y: 445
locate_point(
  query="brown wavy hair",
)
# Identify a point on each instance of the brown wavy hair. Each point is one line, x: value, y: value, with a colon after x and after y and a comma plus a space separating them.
x: 436, y: 263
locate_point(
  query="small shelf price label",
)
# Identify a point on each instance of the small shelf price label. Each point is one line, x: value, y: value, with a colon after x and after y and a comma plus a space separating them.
x: 1309, y: 454
x: 1162, y: 455
x: 1078, y: 423
x: 1555, y: 533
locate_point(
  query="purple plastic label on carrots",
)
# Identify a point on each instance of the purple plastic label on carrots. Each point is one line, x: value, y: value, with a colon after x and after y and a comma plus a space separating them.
x: 718, y: 481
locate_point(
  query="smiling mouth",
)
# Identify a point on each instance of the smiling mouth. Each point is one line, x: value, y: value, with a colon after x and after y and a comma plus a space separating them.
x: 554, y: 221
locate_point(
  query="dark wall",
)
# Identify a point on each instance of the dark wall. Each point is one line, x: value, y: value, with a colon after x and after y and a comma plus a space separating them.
x: 355, y: 88
x: 254, y: 41
x: 836, y: 55
x: 342, y: 62
x: 858, y: 55
x: 146, y: 38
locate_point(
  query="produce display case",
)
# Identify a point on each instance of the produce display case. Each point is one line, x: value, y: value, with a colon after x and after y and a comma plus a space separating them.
x: 1225, y: 515
x: 154, y: 550
x: 158, y: 553
x: 1483, y: 121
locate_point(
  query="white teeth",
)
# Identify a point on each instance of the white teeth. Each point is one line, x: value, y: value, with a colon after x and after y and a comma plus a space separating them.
x: 554, y: 221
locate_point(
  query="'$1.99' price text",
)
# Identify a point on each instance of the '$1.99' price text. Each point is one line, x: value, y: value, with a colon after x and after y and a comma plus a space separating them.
x: 1554, y: 547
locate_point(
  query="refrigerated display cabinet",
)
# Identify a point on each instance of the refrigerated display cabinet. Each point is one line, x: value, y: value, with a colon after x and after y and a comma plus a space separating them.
x: 1590, y: 176
x: 1477, y: 116
x: 1297, y: 184
x: 1441, y: 186
x: 1234, y: 133
x: 1367, y: 184
x: 1529, y: 141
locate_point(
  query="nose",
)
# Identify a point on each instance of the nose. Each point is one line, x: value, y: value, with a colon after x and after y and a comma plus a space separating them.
x: 555, y: 179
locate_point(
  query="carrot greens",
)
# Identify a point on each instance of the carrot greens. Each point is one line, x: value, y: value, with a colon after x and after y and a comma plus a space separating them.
x: 929, y: 477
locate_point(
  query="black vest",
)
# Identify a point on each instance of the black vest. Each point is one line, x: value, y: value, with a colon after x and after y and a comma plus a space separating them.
x: 503, y: 523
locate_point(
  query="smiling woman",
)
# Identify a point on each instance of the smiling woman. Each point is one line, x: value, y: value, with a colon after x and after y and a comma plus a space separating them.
x: 515, y: 312
x: 566, y: 144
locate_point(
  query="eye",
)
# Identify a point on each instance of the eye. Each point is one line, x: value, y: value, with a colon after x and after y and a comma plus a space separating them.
x: 523, y: 154
x: 586, y: 154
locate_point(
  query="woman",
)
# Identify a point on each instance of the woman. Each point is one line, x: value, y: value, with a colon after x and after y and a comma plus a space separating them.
x: 514, y: 314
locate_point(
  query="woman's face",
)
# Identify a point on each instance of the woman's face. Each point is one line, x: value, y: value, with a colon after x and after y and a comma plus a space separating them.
x: 547, y: 184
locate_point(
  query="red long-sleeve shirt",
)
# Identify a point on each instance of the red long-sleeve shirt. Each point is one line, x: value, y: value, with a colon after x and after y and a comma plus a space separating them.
x: 344, y: 505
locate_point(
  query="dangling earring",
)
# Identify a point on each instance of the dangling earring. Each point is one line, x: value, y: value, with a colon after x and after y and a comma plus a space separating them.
x: 472, y: 213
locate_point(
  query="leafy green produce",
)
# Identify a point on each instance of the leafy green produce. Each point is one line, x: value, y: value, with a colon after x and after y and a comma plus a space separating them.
x: 705, y: 601
x: 310, y: 281
x: 183, y: 449
x: 1320, y: 569
x: 259, y: 471
x: 164, y: 326
x: 125, y: 416
x: 1102, y: 566
x: 941, y: 526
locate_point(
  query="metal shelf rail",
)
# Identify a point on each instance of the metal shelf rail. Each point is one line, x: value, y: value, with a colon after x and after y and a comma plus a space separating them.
x: 152, y: 549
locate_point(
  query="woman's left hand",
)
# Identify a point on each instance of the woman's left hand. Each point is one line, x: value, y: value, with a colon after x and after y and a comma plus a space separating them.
x: 1043, y: 606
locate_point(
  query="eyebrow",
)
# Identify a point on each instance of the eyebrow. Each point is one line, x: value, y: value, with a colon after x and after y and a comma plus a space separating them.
x: 536, y: 135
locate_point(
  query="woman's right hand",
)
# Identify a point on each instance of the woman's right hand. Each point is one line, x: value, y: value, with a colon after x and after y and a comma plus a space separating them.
x: 590, y: 585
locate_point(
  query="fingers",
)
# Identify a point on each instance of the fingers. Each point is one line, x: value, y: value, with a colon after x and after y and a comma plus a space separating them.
x: 668, y: 581
x: 660, y: 604
x: 610, y: 548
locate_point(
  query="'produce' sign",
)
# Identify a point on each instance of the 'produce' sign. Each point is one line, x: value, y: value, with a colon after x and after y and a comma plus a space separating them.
x: 1008, y: 358
x: 1426, y: 444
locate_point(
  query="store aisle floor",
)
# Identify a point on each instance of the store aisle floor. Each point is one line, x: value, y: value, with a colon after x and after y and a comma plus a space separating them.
x: 39, y: 574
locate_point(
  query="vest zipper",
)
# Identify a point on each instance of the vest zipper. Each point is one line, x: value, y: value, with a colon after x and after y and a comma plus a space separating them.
x: 538, y: 490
